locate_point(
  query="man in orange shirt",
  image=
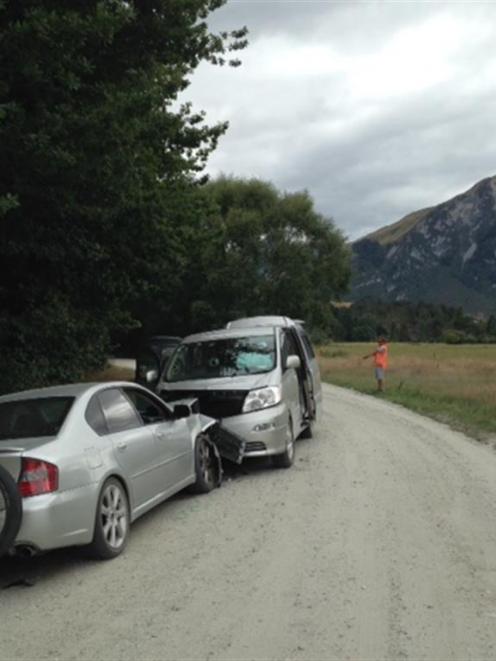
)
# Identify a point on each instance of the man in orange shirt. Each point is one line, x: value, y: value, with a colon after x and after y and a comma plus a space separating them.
x: 380, y: 356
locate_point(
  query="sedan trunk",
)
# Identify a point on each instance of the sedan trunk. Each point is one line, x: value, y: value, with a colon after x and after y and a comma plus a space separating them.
x: 12, y: 451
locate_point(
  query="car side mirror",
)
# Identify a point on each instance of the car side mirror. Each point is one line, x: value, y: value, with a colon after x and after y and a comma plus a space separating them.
x: 151, y: 376
x: 293, y: 361
x: 181, y: 411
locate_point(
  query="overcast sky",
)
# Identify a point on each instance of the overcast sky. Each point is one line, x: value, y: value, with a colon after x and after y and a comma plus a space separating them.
x: 376, y: 108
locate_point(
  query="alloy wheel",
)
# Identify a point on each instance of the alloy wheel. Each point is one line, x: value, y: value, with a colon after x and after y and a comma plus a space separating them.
x: 206, y: 464
x: 114, y: 516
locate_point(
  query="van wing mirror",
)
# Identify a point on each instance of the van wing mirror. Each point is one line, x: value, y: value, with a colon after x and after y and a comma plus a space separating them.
x: 293, y: 361
x: 151, y: 376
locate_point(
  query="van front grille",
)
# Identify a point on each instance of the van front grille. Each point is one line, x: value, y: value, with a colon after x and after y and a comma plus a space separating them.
x: 214, y: 403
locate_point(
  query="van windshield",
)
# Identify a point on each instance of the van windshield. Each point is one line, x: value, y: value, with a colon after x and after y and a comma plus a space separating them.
x: 234, y: 356
x: 29, y: 418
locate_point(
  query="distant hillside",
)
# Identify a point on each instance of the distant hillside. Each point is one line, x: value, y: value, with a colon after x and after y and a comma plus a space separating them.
x: 444, y: 254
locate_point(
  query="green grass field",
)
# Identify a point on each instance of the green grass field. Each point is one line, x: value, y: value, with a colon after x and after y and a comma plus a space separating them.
x: 452, y: 383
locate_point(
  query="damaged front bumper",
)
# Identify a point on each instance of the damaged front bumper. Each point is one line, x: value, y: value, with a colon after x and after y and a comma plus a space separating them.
x: 265, y: 432
x: 260, y: 433
x: 256, y: 434
x: 230, y: 446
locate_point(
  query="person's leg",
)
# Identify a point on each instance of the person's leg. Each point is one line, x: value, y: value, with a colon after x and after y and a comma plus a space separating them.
x: 379, y: 375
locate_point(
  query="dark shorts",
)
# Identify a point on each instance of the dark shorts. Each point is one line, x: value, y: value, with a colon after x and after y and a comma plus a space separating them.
x: 379, y: 373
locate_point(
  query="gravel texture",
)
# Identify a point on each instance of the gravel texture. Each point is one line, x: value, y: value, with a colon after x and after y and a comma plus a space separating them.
x: 379, y: 543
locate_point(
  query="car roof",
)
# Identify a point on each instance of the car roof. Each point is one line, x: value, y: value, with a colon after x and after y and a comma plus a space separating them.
x: 68, y: 390
x: 264, y: 320
x: 226, y: 333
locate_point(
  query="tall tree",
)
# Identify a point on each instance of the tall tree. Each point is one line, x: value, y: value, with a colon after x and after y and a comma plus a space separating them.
x: 97, y: 158
x: 260, y: 251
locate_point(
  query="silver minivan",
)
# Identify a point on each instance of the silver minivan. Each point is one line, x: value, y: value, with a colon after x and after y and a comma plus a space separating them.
x: 259, y: 376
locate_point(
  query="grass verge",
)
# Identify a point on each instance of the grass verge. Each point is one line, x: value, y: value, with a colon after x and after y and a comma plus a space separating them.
x: 453, y: 384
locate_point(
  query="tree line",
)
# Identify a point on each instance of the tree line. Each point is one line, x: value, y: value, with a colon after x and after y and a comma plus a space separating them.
x: 403, y: 321
x: 110, y: 231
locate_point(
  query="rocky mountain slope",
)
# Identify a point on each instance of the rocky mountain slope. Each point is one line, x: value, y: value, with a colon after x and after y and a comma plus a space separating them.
x: 443, y: 254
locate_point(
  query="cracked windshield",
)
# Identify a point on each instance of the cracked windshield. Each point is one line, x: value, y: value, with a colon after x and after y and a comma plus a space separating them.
x: 229, y: 357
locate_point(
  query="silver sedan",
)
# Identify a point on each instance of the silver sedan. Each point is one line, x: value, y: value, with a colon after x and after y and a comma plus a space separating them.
x: 89, y: 459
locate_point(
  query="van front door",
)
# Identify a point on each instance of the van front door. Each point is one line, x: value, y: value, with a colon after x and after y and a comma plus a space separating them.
x: 313, y: 372
x: 292, y: 383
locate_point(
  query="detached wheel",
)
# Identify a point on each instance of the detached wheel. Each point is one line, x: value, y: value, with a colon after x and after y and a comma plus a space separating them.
x: 208, y: 466
x: 10, y: 510
x: 112, y: 521
x: 286, y: 458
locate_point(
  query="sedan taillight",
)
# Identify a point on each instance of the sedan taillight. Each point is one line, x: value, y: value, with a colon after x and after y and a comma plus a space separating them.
x: 37, y: 477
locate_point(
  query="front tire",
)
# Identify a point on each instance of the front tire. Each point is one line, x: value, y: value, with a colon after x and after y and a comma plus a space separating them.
x: 307, y: 431
x: 112, y: 521
x: 286, y: 458
x: 208, y: 466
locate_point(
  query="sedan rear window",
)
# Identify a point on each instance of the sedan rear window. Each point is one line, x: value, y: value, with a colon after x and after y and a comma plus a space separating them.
x: 234, y: 356
x: 31, y: 418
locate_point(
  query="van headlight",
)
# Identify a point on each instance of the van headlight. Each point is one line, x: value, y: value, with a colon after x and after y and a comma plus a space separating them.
x: 262, y: 398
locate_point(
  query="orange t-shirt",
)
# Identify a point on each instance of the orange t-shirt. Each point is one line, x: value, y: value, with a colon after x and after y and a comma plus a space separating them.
x: 381, y: 356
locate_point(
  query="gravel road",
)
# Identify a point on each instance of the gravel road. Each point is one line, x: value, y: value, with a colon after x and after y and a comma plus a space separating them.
x: 380, y: 543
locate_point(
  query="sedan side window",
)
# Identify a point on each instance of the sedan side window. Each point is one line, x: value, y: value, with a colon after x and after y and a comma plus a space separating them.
x: 148, y: 409
x: 118, y: 411
x: 94, y: 416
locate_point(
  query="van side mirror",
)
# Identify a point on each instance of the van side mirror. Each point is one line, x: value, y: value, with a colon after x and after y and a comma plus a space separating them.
x: 151, y: 376
x: 293, y: 361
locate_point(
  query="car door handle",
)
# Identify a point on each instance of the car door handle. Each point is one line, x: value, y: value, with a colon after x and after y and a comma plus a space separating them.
x: 161, y: 435
x: 121, y: 446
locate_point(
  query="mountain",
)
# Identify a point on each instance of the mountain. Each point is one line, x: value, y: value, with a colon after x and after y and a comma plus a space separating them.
x: 442, y: 254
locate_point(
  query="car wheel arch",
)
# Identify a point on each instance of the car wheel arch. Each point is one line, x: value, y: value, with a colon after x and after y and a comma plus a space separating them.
x: 120, y: 478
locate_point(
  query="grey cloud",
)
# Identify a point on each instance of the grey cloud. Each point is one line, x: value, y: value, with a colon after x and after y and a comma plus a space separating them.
x: 366, y: 161
x: 318, y: 19
x: 270, y: 17
x: 410, y: 159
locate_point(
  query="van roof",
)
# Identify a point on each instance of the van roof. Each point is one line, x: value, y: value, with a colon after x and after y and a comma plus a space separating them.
x: 226, y: 333
x: 266, y: 320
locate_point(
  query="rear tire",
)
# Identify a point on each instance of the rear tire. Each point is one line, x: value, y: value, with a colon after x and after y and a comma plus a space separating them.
x: 112, y: 521
x: 208, y: 466
x: 10, y: 510
x: 286, y: 458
